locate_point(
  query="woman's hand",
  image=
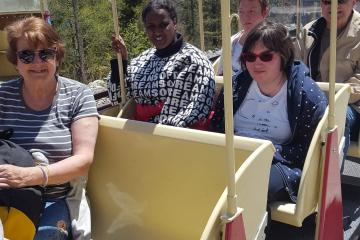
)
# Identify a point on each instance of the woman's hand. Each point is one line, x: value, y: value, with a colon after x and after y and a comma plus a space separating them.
x: 119, y: 46
x: 14, y: 177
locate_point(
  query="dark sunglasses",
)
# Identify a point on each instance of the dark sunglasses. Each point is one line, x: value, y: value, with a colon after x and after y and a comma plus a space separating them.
x: 27, y: 56
x: 251, y: 57
x: 328, y: 2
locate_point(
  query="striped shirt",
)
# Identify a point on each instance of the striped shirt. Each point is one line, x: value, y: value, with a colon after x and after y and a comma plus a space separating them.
x: 49, y: 130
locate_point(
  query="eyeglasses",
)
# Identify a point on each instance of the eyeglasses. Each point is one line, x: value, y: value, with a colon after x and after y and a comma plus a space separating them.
x: 266, y: 56
x: 27, y: 56
x: 328, y: 2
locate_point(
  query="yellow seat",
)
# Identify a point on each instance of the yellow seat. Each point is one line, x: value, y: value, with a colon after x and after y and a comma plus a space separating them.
x: 153, y: 181
x: 354, y: 149
x: 7, y: 70
x: 3, y: 41
x: 309, y: 189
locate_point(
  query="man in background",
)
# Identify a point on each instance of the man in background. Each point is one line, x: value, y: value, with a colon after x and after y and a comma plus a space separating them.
x: 313, y: 48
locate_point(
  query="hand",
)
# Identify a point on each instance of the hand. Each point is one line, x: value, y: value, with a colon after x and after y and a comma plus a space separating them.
x: 118, y: 45
x: 12, y: 176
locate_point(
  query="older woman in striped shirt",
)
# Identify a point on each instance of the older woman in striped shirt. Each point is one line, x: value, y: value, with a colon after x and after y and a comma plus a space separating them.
x: 52, y: 115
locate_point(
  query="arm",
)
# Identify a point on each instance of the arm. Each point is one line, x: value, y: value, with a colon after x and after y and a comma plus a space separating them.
x: 113, y: 79
x: 293, y: 153
x: 84, y: 132
x: 113, y: 82
x: 119, y: 46
x: 354, y: 80
x: 217, y: 122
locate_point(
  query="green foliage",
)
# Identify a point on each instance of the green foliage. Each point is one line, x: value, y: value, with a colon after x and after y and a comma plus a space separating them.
x: 188, y: 11
x: 62, y: 19
x: 96, y: 26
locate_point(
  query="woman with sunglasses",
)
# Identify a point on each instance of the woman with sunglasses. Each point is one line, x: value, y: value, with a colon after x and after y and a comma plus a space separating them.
x: 172, y: 83
x: 52, y: 115
x: 275, y: 99
x: 251, y: 12
x: 314, y: 49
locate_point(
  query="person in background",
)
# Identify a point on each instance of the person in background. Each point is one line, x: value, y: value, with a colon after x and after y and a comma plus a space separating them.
x: 313, y: 49
x: 251, y: 12
x: 172, y: 83
x: 275, y: 99
x: 52, y: 115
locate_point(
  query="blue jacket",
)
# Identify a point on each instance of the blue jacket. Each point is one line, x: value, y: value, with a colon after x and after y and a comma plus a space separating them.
x: 306, y: 104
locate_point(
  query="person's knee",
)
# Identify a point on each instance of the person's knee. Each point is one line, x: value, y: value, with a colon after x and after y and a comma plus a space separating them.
x: 52, y: 233
x: 55, y: 221
x: 276, y: 190
x: 352, y: 125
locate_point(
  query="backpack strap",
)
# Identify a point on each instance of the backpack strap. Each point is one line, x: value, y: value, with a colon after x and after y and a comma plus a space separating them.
x: 6, y: 134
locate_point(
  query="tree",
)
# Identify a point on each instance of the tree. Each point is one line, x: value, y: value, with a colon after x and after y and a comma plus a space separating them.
x: 89, y: 23
x: 81, y: 74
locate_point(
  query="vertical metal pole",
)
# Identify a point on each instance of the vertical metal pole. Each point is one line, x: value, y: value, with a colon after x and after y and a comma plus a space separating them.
x: 120, y: 65
x: 332, y: 63
x: 229, y: 122
x: 43, y: 6
x: 298, y: 17
x: 201, y: 25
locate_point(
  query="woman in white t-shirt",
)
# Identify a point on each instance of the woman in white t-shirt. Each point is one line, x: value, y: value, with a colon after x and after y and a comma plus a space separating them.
x: 251, y: 12
x: 275, y: 99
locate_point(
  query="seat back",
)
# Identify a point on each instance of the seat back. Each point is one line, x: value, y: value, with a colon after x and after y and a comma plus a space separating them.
x: 11, y: 11
x: 309, y: 188
x: 7, y: 70
x: 354, y: 149
x: 341, y: 100
x: 153, y: 181
x: 216, y: 65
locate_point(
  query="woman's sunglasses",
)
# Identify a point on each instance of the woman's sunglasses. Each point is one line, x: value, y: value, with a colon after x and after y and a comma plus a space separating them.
x: 328, y: 2
x: 251, y: 57
x: 27, y: 56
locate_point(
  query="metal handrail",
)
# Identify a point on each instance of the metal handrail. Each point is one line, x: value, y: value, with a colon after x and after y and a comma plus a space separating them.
x: 201, y: 25
x: 119, y: 57
x: 229, y: 121
x: 332, y: 64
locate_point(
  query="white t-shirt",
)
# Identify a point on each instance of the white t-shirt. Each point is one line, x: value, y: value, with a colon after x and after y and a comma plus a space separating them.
x: 236, y: 49
x: 263, y: 117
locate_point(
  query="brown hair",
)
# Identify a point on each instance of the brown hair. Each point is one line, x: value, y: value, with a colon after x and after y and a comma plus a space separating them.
x: 275, y: 37
x: 36, y: 32
x: 264, y: 4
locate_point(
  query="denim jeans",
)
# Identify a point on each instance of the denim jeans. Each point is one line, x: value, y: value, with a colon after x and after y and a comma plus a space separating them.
x: 277, y: 189
x: 55, y: 223
x: 352, y: 127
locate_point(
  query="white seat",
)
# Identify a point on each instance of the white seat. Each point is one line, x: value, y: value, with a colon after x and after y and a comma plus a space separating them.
x: 216, y: 64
